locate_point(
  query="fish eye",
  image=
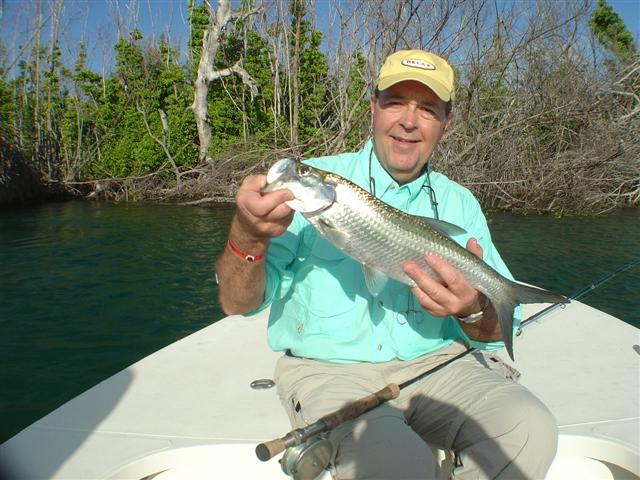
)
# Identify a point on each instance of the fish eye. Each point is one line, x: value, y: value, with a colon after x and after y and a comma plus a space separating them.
x: 304, y: 169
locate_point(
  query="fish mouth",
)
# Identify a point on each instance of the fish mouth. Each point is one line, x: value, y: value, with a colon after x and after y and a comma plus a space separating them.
x: 279, y: 173
x: 310, y: 190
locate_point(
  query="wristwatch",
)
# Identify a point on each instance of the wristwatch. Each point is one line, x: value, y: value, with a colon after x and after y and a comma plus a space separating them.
x: 474, y: 317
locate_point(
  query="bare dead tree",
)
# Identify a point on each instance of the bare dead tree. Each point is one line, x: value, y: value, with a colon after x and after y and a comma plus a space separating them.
x: 206, y: 74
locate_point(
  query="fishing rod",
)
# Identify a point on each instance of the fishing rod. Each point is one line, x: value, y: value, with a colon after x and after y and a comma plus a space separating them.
x: 298, y: 436
x: 580, y: 293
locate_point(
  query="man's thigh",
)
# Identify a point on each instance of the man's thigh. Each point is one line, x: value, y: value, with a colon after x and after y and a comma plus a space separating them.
x: 310, y: 389
x: 437, y: 406
x: 376, y: 445
x: 477, y: 409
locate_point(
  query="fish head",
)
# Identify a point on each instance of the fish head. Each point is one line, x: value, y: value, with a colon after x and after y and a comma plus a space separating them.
x: 312, y: 190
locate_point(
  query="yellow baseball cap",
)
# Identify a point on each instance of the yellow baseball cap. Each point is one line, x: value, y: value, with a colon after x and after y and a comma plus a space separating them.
x: 424, y: 67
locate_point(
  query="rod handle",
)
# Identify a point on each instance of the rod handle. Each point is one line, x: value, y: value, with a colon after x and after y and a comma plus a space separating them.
x: 269, y: 449
x: 365, y: 404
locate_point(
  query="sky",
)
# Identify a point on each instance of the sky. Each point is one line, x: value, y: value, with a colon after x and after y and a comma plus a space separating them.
x: 95, y: 21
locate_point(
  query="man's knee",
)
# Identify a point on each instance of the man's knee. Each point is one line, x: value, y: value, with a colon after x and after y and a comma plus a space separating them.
x: 382, y: 447
x: 539, y: 425
x: 514, y: 437
x: 542, y: 438
x: 538, y: 437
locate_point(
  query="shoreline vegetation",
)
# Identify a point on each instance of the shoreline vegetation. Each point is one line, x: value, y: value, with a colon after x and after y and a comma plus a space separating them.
x: 547, y: 109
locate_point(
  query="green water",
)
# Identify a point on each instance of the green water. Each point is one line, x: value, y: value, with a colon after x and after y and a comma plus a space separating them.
x: 86, y: 289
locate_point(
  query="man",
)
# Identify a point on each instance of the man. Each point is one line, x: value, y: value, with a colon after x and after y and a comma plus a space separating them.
x: 342, y: 344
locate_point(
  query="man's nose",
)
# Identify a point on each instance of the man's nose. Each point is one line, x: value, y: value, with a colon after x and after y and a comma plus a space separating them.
x: 409, y: 117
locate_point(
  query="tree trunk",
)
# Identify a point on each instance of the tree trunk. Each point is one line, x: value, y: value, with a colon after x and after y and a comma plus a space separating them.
x: 206, y: 73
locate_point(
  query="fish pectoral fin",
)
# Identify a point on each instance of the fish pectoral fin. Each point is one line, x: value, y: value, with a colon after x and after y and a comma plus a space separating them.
x: 374, y: 279
x: 445, y: 228
x: 331, y: 233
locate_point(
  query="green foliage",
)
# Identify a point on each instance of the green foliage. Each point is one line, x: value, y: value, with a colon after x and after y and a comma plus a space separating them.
x: 235, y: 117
x: 356, y: 84
x: 612, y: 33
x: 198, y: 22
x: 77, y: 123
x: 52, y: 80
x: 112, y: 126
x: 313, y: 81
x: 312, y: 73
x: 146, y: 83
x: 256, y: 62
x: 84, y: 79
x: 7, y: 111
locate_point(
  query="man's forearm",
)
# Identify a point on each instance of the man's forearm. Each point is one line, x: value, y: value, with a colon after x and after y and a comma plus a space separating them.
x: 241, y: 283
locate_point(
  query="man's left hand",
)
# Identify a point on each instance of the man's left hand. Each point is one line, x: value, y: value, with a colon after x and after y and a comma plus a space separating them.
x: 450, y: 294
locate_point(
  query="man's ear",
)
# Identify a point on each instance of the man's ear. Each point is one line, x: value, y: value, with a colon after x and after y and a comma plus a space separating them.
x: 448, y: 121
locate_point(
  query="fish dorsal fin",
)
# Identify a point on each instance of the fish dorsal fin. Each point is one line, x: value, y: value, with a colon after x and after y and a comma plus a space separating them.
x: 374, y: 279
x: 445, y: 228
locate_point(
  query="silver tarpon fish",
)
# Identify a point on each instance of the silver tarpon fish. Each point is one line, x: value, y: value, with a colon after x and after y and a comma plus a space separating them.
x: 381, y: 238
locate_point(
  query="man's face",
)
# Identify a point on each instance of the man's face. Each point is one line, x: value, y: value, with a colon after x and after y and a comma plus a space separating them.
x: 408, y: 122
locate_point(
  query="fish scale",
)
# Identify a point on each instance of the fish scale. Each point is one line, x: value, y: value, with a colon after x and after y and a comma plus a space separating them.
x: 381, y: 238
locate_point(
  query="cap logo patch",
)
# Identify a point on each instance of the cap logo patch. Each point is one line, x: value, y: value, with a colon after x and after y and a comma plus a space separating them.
x: 417, y: 63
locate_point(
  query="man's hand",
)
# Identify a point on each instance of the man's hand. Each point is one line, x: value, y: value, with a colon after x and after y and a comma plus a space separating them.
x: 450, y: 294
x: 262, y: 215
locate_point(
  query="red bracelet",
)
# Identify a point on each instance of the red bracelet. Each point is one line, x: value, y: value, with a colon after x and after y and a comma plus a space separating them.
x: 244, y: 255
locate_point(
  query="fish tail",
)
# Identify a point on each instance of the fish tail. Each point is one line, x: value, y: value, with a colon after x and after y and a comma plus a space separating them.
x: 520, y: 293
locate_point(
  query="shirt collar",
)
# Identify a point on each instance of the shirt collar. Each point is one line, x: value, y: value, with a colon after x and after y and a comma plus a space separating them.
x: 385, y: 182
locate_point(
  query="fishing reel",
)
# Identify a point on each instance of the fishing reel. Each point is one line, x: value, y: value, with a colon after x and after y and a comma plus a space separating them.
x: 308, y: 460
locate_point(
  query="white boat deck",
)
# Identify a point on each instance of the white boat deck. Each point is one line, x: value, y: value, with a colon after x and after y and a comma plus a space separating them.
x: 583, y: 363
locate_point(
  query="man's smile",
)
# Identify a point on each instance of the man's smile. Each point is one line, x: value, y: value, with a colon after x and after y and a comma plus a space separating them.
x: 407, y: 141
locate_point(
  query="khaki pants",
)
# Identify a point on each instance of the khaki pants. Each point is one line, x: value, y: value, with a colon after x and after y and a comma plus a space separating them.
x: 496, y: 427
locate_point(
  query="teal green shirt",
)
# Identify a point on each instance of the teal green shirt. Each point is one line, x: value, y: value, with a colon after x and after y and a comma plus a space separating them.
x: 320, y: 305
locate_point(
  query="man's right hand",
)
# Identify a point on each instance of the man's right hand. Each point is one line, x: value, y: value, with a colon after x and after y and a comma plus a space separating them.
x: 261, y: 216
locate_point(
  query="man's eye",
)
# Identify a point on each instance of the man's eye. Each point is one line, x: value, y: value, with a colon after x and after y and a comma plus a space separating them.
x: 428, y: 112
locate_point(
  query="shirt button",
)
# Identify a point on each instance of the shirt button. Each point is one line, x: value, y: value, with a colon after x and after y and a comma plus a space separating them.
x: 379, y: 347
x: 299, y: 328
x: 380, y: 303
x: 392, y: 187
